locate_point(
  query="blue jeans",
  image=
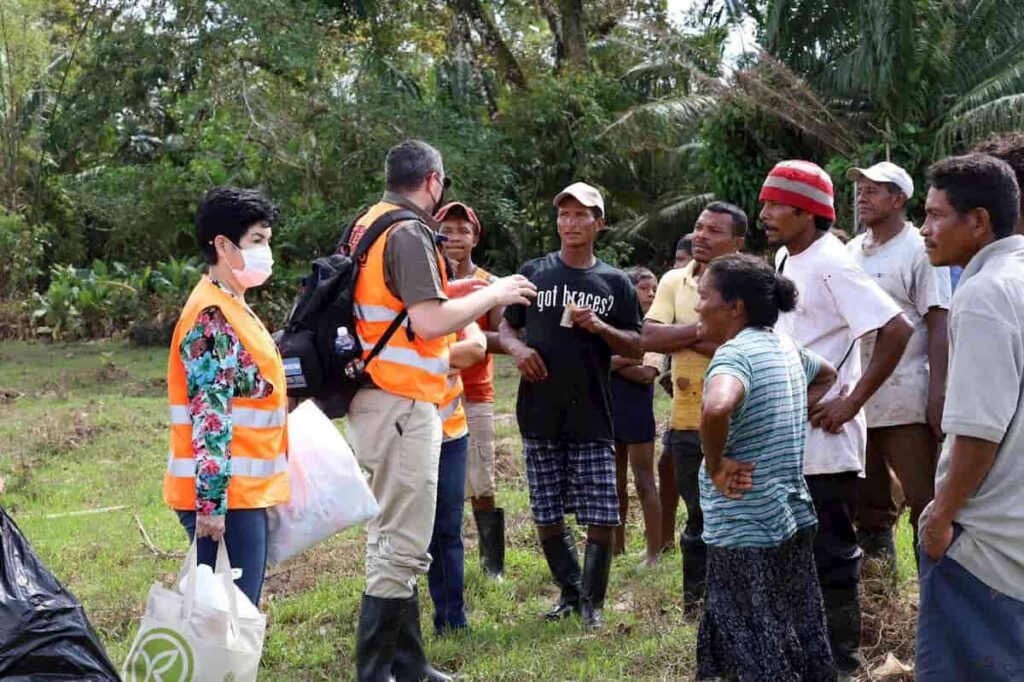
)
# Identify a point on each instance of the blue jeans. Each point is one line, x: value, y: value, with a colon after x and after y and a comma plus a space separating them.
x: 965, y: 629
x: 445, y: 577
x: 245, y: 532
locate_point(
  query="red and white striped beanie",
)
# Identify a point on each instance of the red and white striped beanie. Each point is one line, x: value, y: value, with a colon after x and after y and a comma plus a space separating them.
x: 801, y: 184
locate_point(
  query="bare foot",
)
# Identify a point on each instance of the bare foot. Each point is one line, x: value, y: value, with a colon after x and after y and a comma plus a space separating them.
x: 649, y: 562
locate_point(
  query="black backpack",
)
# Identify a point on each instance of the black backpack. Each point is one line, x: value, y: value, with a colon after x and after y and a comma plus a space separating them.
x: 312, y: 366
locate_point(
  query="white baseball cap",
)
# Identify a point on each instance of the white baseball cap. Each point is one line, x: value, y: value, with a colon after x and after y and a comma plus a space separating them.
x: 583, y: 193
x: 885, y: 172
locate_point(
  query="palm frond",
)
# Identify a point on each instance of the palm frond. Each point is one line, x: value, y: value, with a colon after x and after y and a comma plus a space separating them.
x: 676, y: 208
x: 1000, y: 115
x: 780, y: 93
x: 1010, y: 81
x: 680, y: 113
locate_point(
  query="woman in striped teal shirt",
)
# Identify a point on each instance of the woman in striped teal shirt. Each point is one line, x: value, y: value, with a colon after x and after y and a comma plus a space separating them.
x: 763, y: 615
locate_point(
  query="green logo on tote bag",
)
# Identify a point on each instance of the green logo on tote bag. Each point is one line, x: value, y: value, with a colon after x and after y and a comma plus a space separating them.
x: 162, y: 655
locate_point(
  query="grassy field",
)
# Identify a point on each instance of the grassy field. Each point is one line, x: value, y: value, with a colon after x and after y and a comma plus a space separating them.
x: 83, y: 428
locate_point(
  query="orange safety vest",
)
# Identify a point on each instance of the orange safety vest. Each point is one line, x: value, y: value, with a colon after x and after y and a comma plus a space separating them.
x: 478, y: 380
x: 407, y: 365
x: 453, y: 415
x: 259, y: 437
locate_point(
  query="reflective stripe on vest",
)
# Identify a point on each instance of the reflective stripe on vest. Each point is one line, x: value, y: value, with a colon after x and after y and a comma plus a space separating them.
x: 453, y: 416
x: 246, y: 417
x: 373, y: 313
x: 409, y: 357
x: 450, y: 409
x: 185, y: 467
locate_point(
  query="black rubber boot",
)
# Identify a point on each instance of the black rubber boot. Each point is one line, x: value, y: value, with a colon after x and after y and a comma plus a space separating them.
x: 376, y: 637
x: 879, y: 549
x: 564, y: 562
x: 410, y: 662
x: 695, y: 557
x: 491, y: 526
x: 597, y: 565
x: 877, y: 543
x: 842, y: 611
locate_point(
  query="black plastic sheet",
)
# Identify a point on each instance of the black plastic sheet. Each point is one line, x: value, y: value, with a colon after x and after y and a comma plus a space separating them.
x: 44, y: 632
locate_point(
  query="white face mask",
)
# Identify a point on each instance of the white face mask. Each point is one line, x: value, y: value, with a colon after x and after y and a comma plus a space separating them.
x: 259, y: 263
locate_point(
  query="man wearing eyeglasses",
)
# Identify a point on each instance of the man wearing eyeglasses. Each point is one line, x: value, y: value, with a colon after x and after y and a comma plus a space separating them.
x: 394, y: 423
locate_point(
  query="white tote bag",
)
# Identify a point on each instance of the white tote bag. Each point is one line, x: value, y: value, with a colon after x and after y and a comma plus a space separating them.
x: 329, y: 491
x: 183, y: 640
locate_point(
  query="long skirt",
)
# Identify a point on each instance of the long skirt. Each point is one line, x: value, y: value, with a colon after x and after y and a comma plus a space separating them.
x: 763, y: 615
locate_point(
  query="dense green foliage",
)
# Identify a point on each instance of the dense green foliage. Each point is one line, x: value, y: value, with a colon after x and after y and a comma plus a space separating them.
x: 116, y: 116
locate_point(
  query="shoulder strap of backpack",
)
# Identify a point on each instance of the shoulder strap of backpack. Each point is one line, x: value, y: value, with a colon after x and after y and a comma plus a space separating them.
x: 373, y: 232
x: 379, y: 227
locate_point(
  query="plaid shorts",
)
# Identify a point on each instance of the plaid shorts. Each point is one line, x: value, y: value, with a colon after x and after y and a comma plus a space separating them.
x: 576, y: 477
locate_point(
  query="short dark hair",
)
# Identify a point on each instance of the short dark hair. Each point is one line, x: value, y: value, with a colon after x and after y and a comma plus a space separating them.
x: 980, y: 181
x: 822, y: 223
x: 408, y: 163
x: 738, y: 215
x: 230, y: 211
x: 685, y: 243
x: 1010, y: 148
x: 639, y: 273
x: 747, y: 278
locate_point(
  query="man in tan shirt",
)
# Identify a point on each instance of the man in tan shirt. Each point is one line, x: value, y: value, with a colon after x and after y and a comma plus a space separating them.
x: 671, y: 327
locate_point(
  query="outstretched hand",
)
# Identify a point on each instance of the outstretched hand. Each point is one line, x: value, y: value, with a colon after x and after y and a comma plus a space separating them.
x: 513, y: 290
x: 457, y: 288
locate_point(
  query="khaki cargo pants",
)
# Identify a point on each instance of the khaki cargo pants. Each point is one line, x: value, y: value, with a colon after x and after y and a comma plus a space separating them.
x: 480, y: 464
x: 398, y: 441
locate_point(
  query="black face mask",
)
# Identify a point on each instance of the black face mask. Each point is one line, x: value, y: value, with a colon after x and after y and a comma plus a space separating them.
x: 445, y: 184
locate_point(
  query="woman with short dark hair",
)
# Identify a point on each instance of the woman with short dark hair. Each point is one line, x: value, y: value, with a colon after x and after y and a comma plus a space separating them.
x: 227, y: 392
x: 763, y: 613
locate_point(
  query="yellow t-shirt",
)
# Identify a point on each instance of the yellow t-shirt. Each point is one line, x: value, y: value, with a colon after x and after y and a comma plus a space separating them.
x: 676, y: 303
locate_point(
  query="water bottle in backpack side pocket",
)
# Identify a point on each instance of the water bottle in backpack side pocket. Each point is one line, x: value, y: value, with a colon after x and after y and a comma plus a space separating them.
x: 344, y: 346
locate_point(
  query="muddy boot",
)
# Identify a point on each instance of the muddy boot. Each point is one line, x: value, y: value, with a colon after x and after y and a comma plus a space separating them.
x: 695, y: 554
x: 564, y: 563
x: 410, y: 664
x: 491, y: 526
x: 376, y: 637
x: 597, y: 564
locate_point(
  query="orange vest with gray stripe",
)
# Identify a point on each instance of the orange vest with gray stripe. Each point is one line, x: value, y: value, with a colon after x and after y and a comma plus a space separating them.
x: 259, y: 434
x: 453, y: 415
x: 411, y: 367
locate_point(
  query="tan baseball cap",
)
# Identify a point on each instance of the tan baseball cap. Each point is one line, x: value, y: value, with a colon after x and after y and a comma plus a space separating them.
x: 585, y: 194
x: 884, y: 172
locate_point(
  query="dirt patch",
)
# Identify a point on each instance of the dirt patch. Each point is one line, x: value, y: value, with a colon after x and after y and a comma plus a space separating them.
x: 342, y: 557
x: 54, y: 435
x: 9, y: 395
x: 889, y: 617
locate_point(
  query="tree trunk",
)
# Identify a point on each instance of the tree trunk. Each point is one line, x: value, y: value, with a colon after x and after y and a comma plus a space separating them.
x: 574, y: 32
x: 485, y: 27
x: 550, y: 12
x: 462, y: 34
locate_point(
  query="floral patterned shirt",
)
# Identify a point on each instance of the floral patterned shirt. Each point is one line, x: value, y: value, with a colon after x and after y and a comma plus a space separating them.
x: 217, y: 369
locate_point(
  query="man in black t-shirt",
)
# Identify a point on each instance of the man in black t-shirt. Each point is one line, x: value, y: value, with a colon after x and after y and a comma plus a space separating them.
x: 585, y: 312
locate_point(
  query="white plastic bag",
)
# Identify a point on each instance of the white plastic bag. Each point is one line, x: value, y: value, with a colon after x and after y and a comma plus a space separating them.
x: 329, y: 491
x: 182, y: 638
x: 211, y: 591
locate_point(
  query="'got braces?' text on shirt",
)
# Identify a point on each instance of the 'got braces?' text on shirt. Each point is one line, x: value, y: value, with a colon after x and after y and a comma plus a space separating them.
x: 549, y: 298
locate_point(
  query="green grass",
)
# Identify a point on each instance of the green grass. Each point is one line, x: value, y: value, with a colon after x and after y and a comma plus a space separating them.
x: 88, y: 431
